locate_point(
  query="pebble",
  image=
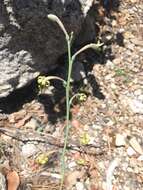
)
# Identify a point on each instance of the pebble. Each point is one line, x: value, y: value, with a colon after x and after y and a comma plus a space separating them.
x: 137, y: 41
x: 117, y: 61
x: 140, y: 158
x: 129, y: 169
x: 131, y: 46
x: 110, y: 64
x: 95, y: 126
x: 136, y: 106
x: 135, y: 145
x: 114, y: 23
x: 120, y: 140
x: 130, y: 151
x: 113, y: 86
x: 72, y: 164
x: 2, y: 182
x: 79, y: 186
x: 138, y: 92
x: 49, y: 128
x: 29, y: 150
x: 32, y: 124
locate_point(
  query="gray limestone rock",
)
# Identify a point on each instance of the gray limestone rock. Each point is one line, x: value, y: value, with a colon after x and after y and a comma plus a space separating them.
x: 30, y: 43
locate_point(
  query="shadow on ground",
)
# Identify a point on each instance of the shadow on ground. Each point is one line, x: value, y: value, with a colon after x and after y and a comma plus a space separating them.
x: 55, y: 105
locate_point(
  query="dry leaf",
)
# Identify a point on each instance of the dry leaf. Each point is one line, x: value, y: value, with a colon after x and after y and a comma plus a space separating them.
x: 75, y: 123
x: 75, y: 109
x: 13, y: 180
x: 93, y: 187
x: 72, y: 177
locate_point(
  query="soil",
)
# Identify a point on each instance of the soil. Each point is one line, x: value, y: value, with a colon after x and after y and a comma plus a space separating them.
x: 105, y: 146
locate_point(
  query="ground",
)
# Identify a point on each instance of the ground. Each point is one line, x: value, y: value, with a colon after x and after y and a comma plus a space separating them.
x: 105, y: 149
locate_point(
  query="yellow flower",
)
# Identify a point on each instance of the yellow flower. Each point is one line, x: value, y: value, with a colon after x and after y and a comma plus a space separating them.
x: 81, y: 161
x: 85, y: 139
x: 43, y: 82
x: 82, y: 97
x: 42, y: 159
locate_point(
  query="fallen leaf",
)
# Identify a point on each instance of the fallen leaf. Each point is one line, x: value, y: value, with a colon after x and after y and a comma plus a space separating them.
x: 76, y: 156
x: 72, y: 178
x: 13, y: 180
x: 75, y: 123
x: 15, y: 117
x: 75, y: 109
x: 94, y: 186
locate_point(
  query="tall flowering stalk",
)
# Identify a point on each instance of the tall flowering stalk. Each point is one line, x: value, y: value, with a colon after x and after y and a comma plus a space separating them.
x: 44, y: 81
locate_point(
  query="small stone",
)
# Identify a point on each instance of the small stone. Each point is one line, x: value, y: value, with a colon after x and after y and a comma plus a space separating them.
x: 137, y: 41
x: 130, y: 151
x: 121, y: 30
x: 86, y: 127
x: 29, y: 150
x: 138, y: 92
x: 109, y: 37
x: 120, y: 140
x: 113, y: 86
x: 135, y: 145
x: 94, y: 126
x: 79, y: 186
x: 114, y: 23
x: 136, y: 106
x: 32, y: 124
x: 2, y: 182
x: 49, y: 128
x: 110, y: 64
x: 140, y: 158
x: 72, y: 165
x: 131, y: 46
x: 117, y: 61
x: 129, y: 169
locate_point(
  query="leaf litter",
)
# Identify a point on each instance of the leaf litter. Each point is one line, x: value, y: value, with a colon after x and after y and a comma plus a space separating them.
x: 102, y: 131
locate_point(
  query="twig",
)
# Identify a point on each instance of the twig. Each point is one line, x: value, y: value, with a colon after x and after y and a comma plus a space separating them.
x: 19, y: 135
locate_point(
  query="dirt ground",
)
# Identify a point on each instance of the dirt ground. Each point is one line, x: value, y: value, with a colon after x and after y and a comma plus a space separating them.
x: 105, y: 147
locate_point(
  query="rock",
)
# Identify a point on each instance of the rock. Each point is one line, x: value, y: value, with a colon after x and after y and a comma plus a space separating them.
x: 134, y: 103
x: 135, y: 145
x: 79, y: 186
x: 72, y: 165
x: 32, y: 124
x: 2, y: 182
x: 136, y: 106
x: 72, y: 178
x: 140, y: 158
x: 31, y: 44
x: 130, y: 151
x: 137, y: 41
x: 120, y: 140
x: 29, y: 150
x: 49, y: 128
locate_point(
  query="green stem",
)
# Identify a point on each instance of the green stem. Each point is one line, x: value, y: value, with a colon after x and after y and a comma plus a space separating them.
x: 70, y: 63
x: 73, y: 97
